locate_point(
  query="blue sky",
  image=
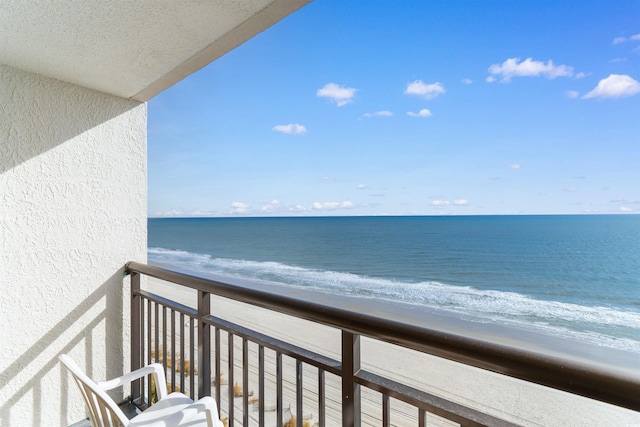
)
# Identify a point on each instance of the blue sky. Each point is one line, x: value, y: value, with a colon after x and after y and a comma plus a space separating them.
x: 409, y: 108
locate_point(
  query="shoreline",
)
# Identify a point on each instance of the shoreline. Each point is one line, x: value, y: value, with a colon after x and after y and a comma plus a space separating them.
x: 512, y: 335
x: 509, y: 334
x: 521, y: 402
x: 581, y: 320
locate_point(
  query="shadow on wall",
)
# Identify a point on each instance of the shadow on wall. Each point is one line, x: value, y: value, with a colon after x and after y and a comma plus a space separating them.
x: 23, y: 95
x: 112, y: 316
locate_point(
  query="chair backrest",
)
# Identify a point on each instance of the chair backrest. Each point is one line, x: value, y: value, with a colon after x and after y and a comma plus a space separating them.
x: 103, y: 411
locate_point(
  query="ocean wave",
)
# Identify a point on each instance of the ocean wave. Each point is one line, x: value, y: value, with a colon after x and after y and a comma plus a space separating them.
x: 590, y: 324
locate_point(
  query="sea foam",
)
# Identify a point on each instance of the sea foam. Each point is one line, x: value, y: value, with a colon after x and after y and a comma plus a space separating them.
x: 585, y: 323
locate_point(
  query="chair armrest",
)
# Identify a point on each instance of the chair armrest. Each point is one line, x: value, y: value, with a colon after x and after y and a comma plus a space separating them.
x: 155, y: 368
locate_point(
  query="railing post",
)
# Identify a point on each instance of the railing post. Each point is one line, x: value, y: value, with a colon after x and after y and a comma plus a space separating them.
x: 204, y: 345
x: 350, y: 390
x: 136, y: 337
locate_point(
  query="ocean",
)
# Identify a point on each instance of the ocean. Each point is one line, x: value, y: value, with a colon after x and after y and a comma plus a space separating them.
x: 567, y: 276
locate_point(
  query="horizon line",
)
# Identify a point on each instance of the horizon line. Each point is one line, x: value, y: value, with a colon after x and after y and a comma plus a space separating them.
x: 388, y: 215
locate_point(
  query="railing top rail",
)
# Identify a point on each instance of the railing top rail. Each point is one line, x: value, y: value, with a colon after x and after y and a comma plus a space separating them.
x: 610, y: 386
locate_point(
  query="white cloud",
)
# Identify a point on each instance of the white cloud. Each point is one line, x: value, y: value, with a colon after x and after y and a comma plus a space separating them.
x: 297, y: 208
x: 422, y: 113
x: 383, y: 113
x: 427, y: 91
x: 618, y: 40
x: 467, y: 81
x: 184, y: 213
x: 361, y: 186
x: 271, y: 207
x: 328, y: 206
x: 239, y: 208
x: 174, y: 212
x: 512, y: 67
x: 459, y: 202
x: 614, y: 60
x: 572, y: 93
x: 202, y: 213
x: 339, y: 94
x: 615, y: 86
x: 291, y: 129
x: 625, y: 209
x: 514, y: 166
x: 626, y: 201
x: 490, y: 79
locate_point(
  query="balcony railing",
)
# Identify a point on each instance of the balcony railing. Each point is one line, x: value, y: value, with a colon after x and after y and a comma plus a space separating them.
x: 197, y: 345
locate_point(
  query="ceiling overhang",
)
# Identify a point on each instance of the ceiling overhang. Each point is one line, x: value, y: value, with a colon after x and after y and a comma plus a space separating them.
x: 131, y: 49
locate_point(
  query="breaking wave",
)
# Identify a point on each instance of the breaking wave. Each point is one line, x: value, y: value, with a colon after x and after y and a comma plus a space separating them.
x: 602, y: 326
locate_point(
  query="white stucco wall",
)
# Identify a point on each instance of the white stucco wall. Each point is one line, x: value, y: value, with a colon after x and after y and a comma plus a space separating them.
x: 72, y: 212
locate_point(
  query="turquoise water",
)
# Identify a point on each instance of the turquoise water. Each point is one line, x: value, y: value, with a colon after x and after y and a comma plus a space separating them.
x: 573, y: 276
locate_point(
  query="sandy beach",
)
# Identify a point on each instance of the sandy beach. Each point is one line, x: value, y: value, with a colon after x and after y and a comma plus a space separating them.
x: 507, y: 398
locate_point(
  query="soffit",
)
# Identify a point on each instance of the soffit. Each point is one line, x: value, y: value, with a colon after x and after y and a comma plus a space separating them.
x: 132, y: 49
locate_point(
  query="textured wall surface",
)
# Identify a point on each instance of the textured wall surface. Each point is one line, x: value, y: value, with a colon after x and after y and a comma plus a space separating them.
x: 72, y: 212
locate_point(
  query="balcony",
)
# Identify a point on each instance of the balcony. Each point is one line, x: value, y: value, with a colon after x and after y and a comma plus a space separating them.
x: 243, y: 346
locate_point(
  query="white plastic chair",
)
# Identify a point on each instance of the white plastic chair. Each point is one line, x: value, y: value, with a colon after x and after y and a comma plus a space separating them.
x: 171, y: 410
